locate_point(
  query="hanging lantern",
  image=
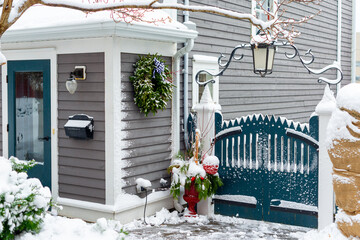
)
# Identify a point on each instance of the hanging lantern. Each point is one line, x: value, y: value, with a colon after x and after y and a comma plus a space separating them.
x: 263, y: 58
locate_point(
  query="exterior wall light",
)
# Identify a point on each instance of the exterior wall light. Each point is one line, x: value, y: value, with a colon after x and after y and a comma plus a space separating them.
x: 78, y: 74
x: 263, y: 60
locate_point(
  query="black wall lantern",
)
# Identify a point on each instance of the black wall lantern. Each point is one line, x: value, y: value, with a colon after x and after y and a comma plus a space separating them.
x: 263, y: 60
x: 79, y: 73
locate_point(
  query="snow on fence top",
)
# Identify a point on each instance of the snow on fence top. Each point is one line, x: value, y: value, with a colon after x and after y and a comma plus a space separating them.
x: 271, y: 118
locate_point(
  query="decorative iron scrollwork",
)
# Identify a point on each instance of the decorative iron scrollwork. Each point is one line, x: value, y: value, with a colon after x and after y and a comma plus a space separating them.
x: 223, y: 65
x: 334, y: 66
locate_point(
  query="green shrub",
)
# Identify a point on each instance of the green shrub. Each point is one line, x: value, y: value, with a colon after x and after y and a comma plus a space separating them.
x: 23, y: 201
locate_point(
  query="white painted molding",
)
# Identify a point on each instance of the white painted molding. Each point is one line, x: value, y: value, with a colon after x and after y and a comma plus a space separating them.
x: 210, y: 64
x: 206, y: 112
x: 92, y: 211
x: 326, y: 202
x: 110, y: 61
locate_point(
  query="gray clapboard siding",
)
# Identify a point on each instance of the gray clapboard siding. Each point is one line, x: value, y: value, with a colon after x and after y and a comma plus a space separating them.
x: 290, y: 91
x: 82, y: 162
x: 148, y: 139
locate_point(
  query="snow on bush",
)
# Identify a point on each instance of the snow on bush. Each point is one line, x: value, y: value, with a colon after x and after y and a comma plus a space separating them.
x: 23, y: 201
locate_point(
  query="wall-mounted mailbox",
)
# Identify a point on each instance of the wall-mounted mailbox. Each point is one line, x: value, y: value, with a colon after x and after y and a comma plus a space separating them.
x: 80, y: 126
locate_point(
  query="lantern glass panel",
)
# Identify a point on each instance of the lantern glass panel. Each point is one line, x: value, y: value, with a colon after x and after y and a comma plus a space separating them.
x: 260, y: 58
x: 271, y: 58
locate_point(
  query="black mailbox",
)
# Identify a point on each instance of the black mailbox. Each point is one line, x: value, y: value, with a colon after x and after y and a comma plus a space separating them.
x: 80, y: 126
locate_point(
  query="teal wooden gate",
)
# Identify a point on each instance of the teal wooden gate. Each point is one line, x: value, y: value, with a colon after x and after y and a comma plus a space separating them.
x: 269, y: 167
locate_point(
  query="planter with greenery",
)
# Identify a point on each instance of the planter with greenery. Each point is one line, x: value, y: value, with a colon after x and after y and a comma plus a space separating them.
x: 195, y: 170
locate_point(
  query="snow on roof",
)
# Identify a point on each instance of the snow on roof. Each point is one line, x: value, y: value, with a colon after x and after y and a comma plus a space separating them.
x: 40, y: 16
x: 53, y: 23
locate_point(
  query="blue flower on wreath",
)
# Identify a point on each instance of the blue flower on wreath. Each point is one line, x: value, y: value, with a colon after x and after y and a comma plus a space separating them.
x: 159, y: 68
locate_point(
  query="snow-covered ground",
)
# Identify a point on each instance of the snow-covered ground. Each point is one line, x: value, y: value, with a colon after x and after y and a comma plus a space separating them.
x: 169, y: 225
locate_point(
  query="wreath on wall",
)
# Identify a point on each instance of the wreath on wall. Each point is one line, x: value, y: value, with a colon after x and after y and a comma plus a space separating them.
x: 152, y: 84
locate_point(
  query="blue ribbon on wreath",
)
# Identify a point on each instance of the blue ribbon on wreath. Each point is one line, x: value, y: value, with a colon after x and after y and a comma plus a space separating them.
x: 159, y: 68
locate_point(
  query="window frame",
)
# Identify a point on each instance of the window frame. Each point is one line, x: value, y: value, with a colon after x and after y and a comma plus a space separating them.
x: 210, y: 64
x: 254, y: 29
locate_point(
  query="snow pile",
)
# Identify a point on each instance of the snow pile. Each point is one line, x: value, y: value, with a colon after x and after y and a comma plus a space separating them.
x: 328, y: 102
x: 60, y: 228
x: 330, y: 232
x: 346, y: 96
x: 211, y: 160
x: 23, y: 201
x: 195, y: 170
x: 337, y: 127
x: 125, y: 201
x: 142, y: 183
x: 5, y: 170
x: 164, y: 216
x: 43, y: 16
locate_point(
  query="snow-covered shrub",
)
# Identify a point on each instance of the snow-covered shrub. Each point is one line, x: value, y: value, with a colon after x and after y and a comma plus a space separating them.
x: 20, y: 165
x: 23, y: 201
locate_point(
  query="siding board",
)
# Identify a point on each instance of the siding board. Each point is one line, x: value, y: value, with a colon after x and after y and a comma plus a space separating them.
x: 147, y: 139
x: 82, y: 162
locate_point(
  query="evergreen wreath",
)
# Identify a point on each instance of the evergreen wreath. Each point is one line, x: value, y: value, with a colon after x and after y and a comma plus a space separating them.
x: 152, y: 84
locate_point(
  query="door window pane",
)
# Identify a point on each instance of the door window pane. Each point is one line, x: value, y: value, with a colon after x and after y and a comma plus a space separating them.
x: 29, y: 116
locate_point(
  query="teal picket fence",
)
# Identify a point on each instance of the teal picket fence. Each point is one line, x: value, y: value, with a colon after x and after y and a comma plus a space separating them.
x: 269, y: 166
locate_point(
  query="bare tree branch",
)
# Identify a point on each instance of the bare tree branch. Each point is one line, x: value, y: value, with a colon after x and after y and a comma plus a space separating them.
x: 134, y: 10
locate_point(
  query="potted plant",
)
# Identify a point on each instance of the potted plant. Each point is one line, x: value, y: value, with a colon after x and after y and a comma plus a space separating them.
x: 197, y: 173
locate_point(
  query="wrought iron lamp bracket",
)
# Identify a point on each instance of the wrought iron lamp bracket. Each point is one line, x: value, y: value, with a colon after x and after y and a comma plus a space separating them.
x: 334, y: 66
x: 224, y: 65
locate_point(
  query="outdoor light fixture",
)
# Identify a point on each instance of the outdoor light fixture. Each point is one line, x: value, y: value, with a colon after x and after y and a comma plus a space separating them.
x: 263, y: 60
x: 78, y: 74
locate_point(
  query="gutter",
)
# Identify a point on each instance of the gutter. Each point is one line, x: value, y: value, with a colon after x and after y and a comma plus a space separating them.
x: 176, y: 101
x: 187, y: 48
x: 353, y: 45
x: 338, y: 57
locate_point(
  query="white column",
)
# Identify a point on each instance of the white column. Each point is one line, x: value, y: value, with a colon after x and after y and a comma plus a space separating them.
x: 206, y: 124
x: 326, y: 192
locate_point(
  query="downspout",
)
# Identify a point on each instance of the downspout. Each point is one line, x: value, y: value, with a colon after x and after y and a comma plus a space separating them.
x: 186, y: 82
x: 338, y: 57
x: 187, y: 48
x: 353, y: 45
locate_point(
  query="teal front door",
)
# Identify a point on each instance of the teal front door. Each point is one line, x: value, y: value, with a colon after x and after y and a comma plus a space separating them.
x: 30, y: 115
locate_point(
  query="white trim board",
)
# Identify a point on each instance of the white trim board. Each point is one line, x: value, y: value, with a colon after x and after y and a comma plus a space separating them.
x: 210, y: 64
x: 92, y: 211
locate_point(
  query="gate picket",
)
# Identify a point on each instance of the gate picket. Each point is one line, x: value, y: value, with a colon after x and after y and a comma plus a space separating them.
x: 269, y: 170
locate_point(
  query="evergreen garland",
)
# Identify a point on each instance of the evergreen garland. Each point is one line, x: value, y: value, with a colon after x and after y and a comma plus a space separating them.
x: 152, y: 84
